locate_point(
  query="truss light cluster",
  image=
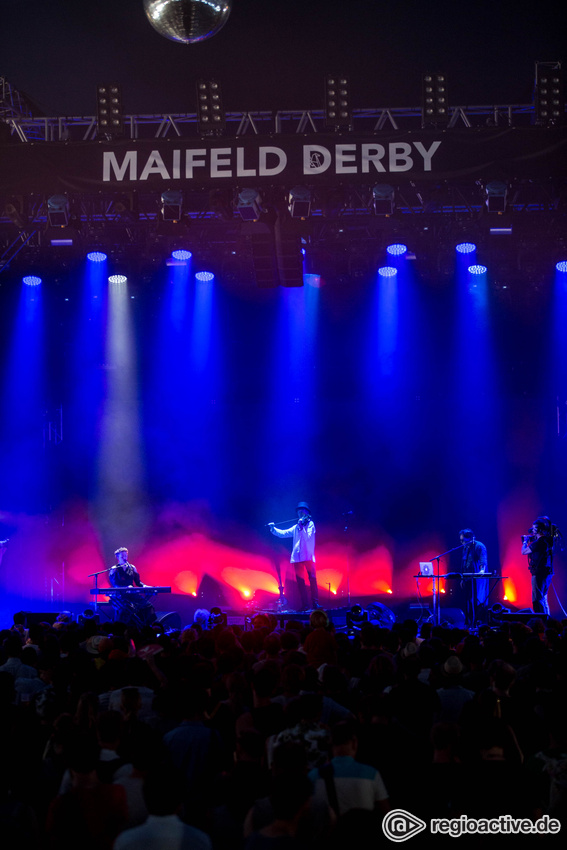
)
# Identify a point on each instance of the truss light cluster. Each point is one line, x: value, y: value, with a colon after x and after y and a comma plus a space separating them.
x: 387, y: 271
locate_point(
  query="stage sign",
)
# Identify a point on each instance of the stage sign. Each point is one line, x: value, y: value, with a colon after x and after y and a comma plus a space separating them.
x: 316, y: 159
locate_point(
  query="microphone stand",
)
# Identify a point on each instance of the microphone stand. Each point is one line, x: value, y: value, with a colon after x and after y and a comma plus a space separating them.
x: 436, y: 606
x: 96, y: 575
x: 282, y: 601
x: 346, y: 530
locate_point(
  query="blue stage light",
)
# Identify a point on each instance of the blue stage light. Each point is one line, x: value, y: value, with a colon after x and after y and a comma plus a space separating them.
x: 96, y: 257
x: 181, y: 254
x: 204, y: 277
x: 31, y: 280
x: 465, y: 247
x: 117, y: 278
x: 477, y: 269
x: 561, y: 266
x: 397, y: 249
x: 387, y: 271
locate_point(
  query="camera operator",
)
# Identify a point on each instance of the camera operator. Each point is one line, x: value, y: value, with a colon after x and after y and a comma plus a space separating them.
x: 538, y: 546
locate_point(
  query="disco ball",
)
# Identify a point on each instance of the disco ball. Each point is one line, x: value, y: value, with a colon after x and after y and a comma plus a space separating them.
x: 187, y: 21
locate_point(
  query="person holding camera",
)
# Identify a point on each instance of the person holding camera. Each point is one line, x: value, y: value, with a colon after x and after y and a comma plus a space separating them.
x: 538, y: 546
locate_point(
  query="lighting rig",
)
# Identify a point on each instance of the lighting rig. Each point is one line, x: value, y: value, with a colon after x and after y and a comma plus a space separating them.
x: 273, y: 230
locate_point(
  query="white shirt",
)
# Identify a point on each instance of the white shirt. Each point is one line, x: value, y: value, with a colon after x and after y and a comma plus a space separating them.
x: 303, y: 548
x: 165, y: 832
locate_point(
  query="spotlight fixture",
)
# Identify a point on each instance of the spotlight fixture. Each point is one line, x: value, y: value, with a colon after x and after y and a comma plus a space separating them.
x: 210, y: 112
x: 117, y: 279
x: 397, y: 249
x: 299, y: 202
x: 96, y: 257
x: 549, y: 96
x: 477, y: 269
x: 248, y: 204
x: 387, y: 271
x: 465, y: 248
x: 181, y: 254
x: 561, y: 266
x: 338, y: 112
x: 434, y: 103
x: 496, y: 194
x: 383, y: 199
x: 88, y: 614
x: 110, y: 119
x: 31, y: 280
x: 204, y: 277
x: 58, y: 211
x: 171, y: 204
x: 356, y: 617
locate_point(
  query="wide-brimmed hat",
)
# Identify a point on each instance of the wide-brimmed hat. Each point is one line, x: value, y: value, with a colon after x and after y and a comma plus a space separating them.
x: 303, y: 505
x: 409, y: 649
x: 452, y: 666
x: 94, y: 644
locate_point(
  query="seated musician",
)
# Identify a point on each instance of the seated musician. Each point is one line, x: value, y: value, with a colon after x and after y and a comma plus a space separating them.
x: 123, y: 574
x: 129, y: 607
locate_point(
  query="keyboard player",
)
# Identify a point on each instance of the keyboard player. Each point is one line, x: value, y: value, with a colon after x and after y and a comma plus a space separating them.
x: 129, y: 607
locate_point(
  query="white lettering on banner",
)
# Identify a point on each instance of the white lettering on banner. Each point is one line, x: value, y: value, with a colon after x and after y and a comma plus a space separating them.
x: 176, y: 171
x: 263, y: 170
x: 129, y: 163
x: 427, y: 154
x: 316, y: 159
x: 268, y: 161
x: 240, y: 170
x: 345, y: 153
x: 155, y: 165
x: 194, y: 159
x: 220, y: 157
x: 400, y: 159
x: 372, y: 154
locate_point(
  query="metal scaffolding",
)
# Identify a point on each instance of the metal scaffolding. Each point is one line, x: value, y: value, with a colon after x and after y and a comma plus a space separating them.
x: 27, y: 128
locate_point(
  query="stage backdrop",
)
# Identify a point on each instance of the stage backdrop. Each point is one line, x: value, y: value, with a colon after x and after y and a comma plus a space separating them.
x: 193, y: 414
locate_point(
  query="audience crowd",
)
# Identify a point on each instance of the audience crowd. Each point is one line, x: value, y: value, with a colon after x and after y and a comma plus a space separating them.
x: 278, y: 736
